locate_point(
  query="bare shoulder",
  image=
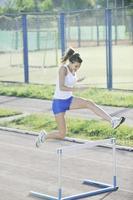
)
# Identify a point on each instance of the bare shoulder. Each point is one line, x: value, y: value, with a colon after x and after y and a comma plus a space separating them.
x: 62, y: 70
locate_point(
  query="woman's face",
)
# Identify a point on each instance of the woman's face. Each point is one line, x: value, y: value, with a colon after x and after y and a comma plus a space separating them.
x: 75, y: 66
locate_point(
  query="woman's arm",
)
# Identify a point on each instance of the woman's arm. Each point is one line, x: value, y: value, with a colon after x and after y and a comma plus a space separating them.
x: 81, y: 79
x: 62, y: 74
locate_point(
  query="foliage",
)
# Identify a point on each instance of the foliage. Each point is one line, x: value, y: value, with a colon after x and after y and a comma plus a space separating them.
x: 24, y: 90
x: 78, y: 128
x: 48, y: 5
x: 128, y: 2
x: 80, y: 4
x: 1, y: 10
x: 100, y: 96
x: 105, y: 97
x: 25, y: 5
x: 7, y: 112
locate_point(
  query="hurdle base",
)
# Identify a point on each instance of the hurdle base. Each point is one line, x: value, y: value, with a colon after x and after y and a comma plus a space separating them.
x: 104, y: 188
x: 42, y: 196
x: 96, y: 183
x: 90, y: 194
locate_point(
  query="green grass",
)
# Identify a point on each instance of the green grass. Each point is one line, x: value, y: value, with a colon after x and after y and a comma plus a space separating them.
x: 99, y: 96
x: 8, y: 112
x: 27, y: 90
x: 77, y: 128
x: 110, y: 98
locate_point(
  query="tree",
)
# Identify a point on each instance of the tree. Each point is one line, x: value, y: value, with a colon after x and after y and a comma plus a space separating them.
x: 9, y: 6
x: 118, y: 3
x: 128, y: 2
x: 43, y: 5
x: 25, y: 5
x: 46, y: 5
x: 77, y: 4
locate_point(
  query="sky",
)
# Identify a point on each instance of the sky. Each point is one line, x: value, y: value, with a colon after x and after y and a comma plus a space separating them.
x: 2, y: 2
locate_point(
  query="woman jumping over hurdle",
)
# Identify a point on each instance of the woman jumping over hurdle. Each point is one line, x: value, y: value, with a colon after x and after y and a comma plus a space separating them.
x: 64, y: 100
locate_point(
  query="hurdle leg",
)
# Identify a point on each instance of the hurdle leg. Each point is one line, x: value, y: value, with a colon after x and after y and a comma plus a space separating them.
x: 104, y: 187
x: 59, y: 152
x: 114, y: 162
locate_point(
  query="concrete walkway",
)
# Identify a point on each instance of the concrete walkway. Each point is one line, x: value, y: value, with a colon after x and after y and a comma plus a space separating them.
x: 28, y: 105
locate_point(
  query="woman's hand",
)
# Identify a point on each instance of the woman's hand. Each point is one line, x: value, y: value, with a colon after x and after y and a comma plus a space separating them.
x: 81, y: 79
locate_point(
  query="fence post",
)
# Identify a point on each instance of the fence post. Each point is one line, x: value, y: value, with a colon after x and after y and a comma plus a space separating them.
x: 116, y: 24
x: 38, y: 32
x: 97, y: 29
x: 79, y: 31
x: 16, y: 34
x: 108, y: 23
x: 25, y: 48
x: 62, y: 32
x: 132, y: 27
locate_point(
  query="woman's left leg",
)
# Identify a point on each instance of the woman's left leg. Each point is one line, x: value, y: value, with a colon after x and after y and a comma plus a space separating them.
x: 81, y: 103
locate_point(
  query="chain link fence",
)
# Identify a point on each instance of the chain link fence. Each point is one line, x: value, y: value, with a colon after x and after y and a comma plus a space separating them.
x: 84, y: 30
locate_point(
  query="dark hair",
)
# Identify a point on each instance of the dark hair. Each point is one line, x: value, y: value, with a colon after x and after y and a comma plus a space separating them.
x: 75, y: 58
x: 72, y: 56
x: 68, y: 54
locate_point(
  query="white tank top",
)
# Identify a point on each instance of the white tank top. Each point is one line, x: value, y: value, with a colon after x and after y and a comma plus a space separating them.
x: 70, y: 81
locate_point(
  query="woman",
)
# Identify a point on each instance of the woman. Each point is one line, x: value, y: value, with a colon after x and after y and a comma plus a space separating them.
x: 64, y: 100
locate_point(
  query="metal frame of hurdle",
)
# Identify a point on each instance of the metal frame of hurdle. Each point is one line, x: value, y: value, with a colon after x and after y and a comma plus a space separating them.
x: 102, y: 187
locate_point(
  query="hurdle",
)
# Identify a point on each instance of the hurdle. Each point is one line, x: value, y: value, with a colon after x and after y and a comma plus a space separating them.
x: 102, y: 187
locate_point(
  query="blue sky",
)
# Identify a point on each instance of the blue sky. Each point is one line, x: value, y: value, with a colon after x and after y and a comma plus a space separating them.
x: 2, y: 2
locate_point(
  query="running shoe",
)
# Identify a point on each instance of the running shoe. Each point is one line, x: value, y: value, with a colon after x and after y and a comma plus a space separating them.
x: 116, y: 122
x: 41, y: 138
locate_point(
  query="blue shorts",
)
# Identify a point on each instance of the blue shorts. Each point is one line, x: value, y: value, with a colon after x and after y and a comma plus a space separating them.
x: 61, y: 105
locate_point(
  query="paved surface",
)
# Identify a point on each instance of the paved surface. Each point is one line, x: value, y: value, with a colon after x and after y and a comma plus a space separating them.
x: 35, y: 105
x: 24, y: 168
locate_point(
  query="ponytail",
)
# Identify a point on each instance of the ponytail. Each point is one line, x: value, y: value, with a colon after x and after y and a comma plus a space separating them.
x: 75, y: 58
x: 68, y: 54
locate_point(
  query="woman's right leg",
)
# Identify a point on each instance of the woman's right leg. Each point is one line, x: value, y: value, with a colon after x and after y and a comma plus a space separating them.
x: 61, y: 132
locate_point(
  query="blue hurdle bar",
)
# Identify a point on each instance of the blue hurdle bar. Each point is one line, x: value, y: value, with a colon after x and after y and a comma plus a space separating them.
x: 90, y: 194
x: 42, y: 196
x: 96, y: 183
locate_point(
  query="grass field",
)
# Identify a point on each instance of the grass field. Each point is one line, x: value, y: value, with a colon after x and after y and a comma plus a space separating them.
x: 8, y: 112
x: 93, y: 67
x: 78, y: 128
x: 100, y: 96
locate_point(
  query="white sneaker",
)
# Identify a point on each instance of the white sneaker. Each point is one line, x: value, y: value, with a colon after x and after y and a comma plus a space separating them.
x: 116, y: 122
x: 41, y: 138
